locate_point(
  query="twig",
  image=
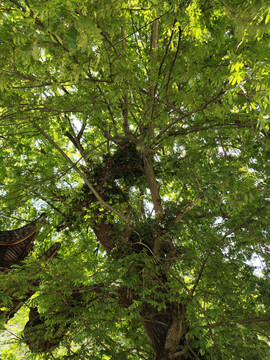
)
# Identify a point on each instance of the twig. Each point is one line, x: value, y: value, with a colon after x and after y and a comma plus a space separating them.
x: 194, y: 111
x: 220, y: 241
x: 254, y: 132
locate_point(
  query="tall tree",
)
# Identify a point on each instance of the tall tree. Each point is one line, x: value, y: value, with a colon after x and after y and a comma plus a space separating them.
x: 142, y: 127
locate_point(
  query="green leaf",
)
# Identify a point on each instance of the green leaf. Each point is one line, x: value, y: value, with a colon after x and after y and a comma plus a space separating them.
x: 71, y: 38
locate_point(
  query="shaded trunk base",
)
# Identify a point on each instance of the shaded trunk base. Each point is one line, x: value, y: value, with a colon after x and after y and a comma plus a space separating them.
x: 166, y: 330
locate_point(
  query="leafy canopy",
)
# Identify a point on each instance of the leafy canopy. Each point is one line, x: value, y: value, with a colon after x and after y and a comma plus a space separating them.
x: 142, y: 126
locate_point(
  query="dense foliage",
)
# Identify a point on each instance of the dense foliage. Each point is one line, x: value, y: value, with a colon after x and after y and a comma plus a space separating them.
x: 141, y: 129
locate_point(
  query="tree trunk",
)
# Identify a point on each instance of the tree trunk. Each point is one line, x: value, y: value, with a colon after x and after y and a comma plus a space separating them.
x: 164, y: 329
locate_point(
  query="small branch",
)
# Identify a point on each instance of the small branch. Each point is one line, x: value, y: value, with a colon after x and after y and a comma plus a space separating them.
x: 142, y: 27
x: 148, y: 248
x: 191, y: 350
x: 178, y: 354
x: 151, y: 91
x: 125, y: 97
x: 169, y: 105
x: 189, y: 206
x: 108, y: 107
x: 80, y: 134
x: 234, y: 322
x: 174, y: 59
x: 205, y: 128
x: 125, y: 114
x: 50, y: 204
x: 135, y: 30
x: 194, y: 111
x: 257, y: 137
x: 106, y: 37
x: 220, y: 241
x: 261, y: 333
x: 38, y: 22
x: 166, y: 50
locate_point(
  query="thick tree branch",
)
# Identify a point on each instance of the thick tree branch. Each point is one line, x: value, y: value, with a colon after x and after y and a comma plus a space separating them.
x: 76, y: 143
x: 152, y: 183
x: 81, y: 174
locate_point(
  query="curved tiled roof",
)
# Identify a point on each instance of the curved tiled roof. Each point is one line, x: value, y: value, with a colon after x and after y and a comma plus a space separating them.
x: 16, y: 244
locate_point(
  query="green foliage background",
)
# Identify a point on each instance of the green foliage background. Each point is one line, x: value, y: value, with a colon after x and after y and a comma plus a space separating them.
x: 198, y: 103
